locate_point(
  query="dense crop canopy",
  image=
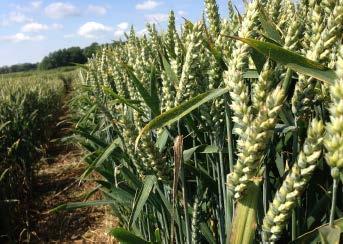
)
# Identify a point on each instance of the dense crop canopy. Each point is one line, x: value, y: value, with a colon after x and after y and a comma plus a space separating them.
x: 228, y: 117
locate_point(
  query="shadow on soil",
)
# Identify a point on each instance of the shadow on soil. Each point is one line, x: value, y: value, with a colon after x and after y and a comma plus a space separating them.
x: 57, y: 182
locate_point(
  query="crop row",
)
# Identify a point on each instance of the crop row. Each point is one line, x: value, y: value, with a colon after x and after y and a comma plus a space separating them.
x: 28, y: 106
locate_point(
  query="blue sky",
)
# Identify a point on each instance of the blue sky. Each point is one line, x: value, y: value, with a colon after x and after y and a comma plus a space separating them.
x: 30, y: 29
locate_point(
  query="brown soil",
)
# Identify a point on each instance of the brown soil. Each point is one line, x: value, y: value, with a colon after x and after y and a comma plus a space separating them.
x: 57, y: 181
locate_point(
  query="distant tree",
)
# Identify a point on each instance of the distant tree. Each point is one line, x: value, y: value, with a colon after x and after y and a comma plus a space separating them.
x: 5, y: 70
x: 60, y: 58
x: 91, y: 50
x: 76, y: 55
x: 18, y: 68
x: 46, y: 63
x: 63, y: 57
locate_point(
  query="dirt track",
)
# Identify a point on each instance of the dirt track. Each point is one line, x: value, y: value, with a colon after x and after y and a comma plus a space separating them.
x: 57, y: 182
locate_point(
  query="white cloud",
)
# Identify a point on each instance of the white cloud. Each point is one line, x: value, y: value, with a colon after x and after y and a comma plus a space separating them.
x: 149, y: 4
x: 93, y: 30
x: 56, y: 26
x: 59, y: 10
x: 118, y: 33
x: 36, y: 4
x: 28, y: 7
x: 182, y: 13
x: 15, y: 17
x: 34, y: 27
x: 96, y: 9
x: 123, y: 26
x: 156, y: 18
x: 18, y: 17
x: 19, y: 37
x: 38, y: 27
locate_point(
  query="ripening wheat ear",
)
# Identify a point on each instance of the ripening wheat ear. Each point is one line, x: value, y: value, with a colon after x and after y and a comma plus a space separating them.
x: 118, y: 77
x: 328, y: 33
x: 291, y: 41
x: 303, y: 97
x: 293, y: 34
x: 334, y: 137
x: 287, y: 14
x: 294, y: 184
x: 261, y: 88
x: 187, y: 83
x: 330, y: 41
x: 322, y: 37
x: 252, y: 145
x: 129, y: 133
x: 140, y: 65
x: 155, y: 44
x: 233, y: 77
x: 168, y: 92
x: 213, y: 17
x: 274, y: 9
x: 132, y: 34
x: 170, y: 42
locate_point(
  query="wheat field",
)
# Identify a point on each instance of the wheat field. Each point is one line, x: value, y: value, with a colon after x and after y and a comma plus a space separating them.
x: 225, y: 130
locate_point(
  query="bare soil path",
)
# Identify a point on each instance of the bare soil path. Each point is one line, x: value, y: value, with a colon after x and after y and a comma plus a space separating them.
x: 57, y: 182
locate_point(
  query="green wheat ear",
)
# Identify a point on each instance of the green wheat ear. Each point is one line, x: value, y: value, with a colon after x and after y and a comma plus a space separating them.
x: 295, y: 183
x: 334, y: 137
x: 187, y: 84
x: 213, y: 17
x: 252, y: 145
x: 322, y: 37
x: 233, y: 77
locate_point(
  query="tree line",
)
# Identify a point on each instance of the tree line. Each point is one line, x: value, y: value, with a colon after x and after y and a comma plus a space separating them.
x: 62, y: 57
x: 18, y: 68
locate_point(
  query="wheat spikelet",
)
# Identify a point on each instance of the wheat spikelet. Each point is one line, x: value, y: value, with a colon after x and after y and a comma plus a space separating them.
x: 168, y: 93
x: 255, y: 140
x: 334, y: 138
x: 274, y: 9
x: 261, y: 88
x: 213, y: 17
x: 323, y: 36
x: 177, y: 62
x: 186, y: 84
x: 287, y: 14
x: 170, y: 41
x: 294, y: 184
x: 233, y: 77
